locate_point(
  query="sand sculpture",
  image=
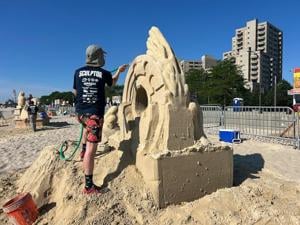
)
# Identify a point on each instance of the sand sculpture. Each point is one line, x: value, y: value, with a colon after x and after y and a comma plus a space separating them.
x: 164, y: 130
x: 20, y: 111
x: 21, y: 114
x: 21, y: 100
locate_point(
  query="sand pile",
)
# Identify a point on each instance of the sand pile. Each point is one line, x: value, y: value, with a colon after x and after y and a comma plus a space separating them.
x: 56, y: 186
x: 57, y: 189
x: 20, y: 147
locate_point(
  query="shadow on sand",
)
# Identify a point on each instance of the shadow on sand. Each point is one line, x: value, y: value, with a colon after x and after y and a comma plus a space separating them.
x: 246, y: 166
x: 128, y: 157
x: 46, y: 208
x: 58, y: 124
x: 54, y: 126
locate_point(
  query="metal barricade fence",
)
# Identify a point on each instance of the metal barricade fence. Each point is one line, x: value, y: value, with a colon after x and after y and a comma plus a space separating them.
x: 271, y: 122
x: 212, y: 117
x: 60, y: 110
x: 66, y: 109
x: 7, y: 113
x: 278, y: 124
x: 6, y: 116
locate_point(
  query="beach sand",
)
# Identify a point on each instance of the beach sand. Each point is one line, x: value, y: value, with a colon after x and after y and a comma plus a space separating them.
x: 266, y: 184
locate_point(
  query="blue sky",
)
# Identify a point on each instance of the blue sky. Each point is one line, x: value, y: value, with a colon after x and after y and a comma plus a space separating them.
x: 43, y: 42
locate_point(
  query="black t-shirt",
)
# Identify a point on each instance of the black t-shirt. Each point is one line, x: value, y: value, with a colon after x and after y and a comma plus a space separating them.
x: 89, y: 82
x: 32, y: 109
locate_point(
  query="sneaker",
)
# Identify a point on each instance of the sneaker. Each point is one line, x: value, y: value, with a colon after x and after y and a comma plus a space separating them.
x: 82, y: 154
x: 93, y: 190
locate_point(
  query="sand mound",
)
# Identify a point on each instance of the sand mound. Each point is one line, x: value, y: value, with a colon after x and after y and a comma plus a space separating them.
x: 57, y: 189
x: 56, y: 186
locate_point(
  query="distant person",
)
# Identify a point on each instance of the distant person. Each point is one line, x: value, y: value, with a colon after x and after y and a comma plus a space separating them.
x: 30, y: 97
x: 89, y: 83
x: 32, y: 110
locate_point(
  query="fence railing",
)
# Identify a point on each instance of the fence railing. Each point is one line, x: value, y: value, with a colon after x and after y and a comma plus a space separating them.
x: 60, y: 110
x: 279, y: 123
x: 6, y: 113
x: 212, y: 116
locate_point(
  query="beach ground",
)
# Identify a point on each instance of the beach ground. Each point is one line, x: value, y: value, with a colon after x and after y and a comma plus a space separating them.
x: 266, y: 186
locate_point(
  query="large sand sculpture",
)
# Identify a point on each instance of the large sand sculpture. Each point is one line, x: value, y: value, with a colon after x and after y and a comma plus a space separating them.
x: 164, y: 130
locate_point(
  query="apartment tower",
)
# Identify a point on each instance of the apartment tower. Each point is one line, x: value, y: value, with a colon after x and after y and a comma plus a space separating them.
x: 206, y: 63
x: 257, y: 49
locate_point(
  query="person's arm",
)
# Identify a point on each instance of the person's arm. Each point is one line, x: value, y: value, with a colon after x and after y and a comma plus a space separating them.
x: 121, y: 69
x: 74, y: 85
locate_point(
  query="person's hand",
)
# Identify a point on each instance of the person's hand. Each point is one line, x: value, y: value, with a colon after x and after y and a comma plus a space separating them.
x: 122, y: 68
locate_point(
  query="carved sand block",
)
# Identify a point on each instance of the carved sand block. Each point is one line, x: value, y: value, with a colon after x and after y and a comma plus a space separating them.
x: 164, y: 130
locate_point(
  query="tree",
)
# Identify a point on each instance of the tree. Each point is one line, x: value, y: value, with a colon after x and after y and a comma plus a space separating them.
x: 282, y: 98
x: 66, y: 96
x: 225, y: 83
x: 218, y: 86
x: 114, y: 90
x: 196, y: 81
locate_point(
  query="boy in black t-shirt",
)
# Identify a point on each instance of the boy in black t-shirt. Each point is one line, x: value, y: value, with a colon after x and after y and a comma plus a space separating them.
x: 89, y: 83
x: 32, y: 114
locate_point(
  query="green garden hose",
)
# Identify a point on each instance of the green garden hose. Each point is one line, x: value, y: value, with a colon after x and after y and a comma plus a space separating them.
x: 64, y: 146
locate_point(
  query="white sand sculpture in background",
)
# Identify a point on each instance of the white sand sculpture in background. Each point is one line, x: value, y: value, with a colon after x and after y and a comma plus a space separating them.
x: 21, y: 111
x: 21, y: 100
x: 156, y: 119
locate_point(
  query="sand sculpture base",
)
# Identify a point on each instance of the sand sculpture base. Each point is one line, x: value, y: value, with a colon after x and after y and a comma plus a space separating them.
x: 24, y: 124
x: 185, y: 176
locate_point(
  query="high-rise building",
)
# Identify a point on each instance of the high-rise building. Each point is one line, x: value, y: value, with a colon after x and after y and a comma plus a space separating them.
x: 206, y: 63
x: 257, y: 49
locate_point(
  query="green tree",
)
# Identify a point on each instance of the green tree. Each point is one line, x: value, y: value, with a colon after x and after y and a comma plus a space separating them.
x: 114, y: 90
x: 282, y: 98
x: 225, y: 83
x: 218, y: 86
x: 196, y: 80
x: 66, y: 96
x: 69, y: 96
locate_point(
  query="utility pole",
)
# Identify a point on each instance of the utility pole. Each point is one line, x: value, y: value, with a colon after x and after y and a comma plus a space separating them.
x: 259, y: 93
x: 249, y: 71
x: 249, y: 64
x: 260, y: 79
x: 274, y: 83
x: 275, y: 90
